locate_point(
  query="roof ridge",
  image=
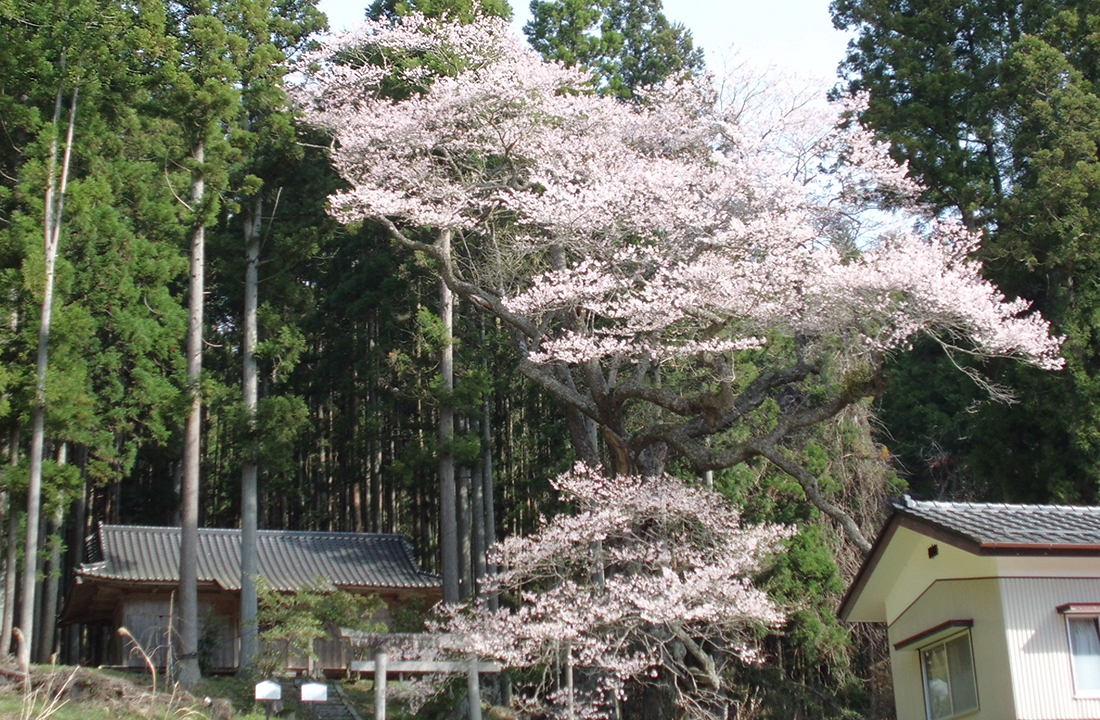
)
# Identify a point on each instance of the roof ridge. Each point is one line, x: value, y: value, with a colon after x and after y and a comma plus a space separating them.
x: 342, y: 533
x: 175, y: 528
x: 146, y: 553
x: 911, y: 503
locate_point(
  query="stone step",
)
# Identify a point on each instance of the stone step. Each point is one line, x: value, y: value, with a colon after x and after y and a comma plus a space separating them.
x: 335, y: 709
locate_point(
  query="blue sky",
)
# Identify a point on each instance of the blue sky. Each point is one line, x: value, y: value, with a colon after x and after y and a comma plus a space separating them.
x: 793, y: 34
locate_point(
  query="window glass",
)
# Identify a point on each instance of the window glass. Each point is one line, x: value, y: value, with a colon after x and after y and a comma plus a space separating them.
x: 937, y: 684
x: 1085, y: 646
x: 949, y: 686
x: 960, y: 663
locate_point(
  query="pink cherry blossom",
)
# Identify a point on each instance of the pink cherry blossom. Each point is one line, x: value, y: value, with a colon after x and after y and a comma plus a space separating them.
x: 694, y: 277
x: 671, y: 217
x: 648, y: 578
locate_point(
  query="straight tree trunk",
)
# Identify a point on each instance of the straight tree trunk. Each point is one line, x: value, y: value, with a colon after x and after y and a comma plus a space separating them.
x: 489, y: 510
x: 569, y: 713
x: 10, y: 580
x: 40, y: 594
x: 448, y: 530
x: 72, y: 633
x: 48, y: 635
x: 189, y: 502
x: 55, y: 201
x: 10, y: 570
x: 465, y: 532
x: 477, y: 534
x: 250, y: 646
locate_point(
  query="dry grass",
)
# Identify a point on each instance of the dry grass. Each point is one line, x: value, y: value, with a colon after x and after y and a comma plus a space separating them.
x: 67, y: 693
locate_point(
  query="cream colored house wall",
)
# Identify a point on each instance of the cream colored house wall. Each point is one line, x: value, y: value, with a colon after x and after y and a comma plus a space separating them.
x: 955, y: 599
x: 1051, y: 566
x: 1021, y: 652
x: 1021, y: 649
x: 917, y: 571
x: 1042, y: 680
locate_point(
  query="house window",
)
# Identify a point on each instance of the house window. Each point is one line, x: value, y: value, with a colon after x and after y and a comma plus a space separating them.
x: 950, y: 689
x: 1084, y: 645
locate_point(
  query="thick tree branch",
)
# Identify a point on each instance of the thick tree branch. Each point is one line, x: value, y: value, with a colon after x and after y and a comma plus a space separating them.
x: 543, y: 376
x: 686, y: 437
x: 808, y: 417
x: 750, y: 399
x: 769, y: 446
x: 475, y: 295
x: 813, y: 493
x: 714, y: 413
x: 710, y: 674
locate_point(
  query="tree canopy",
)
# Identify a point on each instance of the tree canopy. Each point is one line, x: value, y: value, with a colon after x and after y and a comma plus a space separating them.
x: 626, y: 44
x: 668, y: 277
x: 694, y: 289
x: 993, y: 108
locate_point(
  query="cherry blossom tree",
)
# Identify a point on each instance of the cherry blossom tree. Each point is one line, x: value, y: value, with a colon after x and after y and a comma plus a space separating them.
x: 689, y: 276
x: 686, y: 284
x: 647, y: 582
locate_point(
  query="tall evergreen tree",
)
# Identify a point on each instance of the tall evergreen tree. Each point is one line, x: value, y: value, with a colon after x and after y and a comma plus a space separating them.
x: 90, y: 46
x: 627, y: 44
x: 229, y: 99
x: 205, y: 97
x: 993, y: 107
x: 454, y: 541
x: 460, y: 10
x: 265, y: 138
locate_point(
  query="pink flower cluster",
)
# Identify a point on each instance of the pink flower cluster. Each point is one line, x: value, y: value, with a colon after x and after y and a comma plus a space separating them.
x: 684, y: 230
x: 643, y: 568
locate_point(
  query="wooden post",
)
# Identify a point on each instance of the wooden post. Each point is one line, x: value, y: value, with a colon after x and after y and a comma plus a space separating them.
x: 474, y: 685
x: 380, y: 684
x: 569, y: 680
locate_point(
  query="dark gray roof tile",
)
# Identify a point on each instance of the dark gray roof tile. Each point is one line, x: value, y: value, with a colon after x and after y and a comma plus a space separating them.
x: 288, y: 559
x: 998, y: 524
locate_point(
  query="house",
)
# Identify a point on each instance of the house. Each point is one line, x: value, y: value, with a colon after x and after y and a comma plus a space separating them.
x: 131, y: 577
x: 991, y: 610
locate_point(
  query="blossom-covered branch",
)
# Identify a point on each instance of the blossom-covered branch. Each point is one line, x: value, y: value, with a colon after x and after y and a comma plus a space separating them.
x: 681, y: 277
x: 649, y: 578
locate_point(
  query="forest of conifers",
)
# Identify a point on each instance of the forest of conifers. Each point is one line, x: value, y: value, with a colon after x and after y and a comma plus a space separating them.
x: 129, y: 129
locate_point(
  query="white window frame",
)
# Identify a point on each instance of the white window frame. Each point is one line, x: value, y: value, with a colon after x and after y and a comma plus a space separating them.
x: 921, y: 653
x: 1095, y: 619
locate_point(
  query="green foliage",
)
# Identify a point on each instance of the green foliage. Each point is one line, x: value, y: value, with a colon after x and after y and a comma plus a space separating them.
x: 290, y: 622
x: 282, y: 350
x: 810, y: 670
x: 213, y: 629
x: 412, y: 616
x: 268, y: 438
x: 813, y: 666
x: 994, y: 106
x: 627, y: 44
x: 461, y: 10
x: 111, y: 359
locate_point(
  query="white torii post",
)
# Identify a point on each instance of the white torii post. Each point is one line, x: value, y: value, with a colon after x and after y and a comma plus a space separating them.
x: 380, y: 663
x: 473, y: 683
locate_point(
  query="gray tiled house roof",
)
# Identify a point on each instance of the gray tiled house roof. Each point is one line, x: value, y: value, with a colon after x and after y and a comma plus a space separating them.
x: 991, y: 525
x: 987, y: 529
x: 288, y: 559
